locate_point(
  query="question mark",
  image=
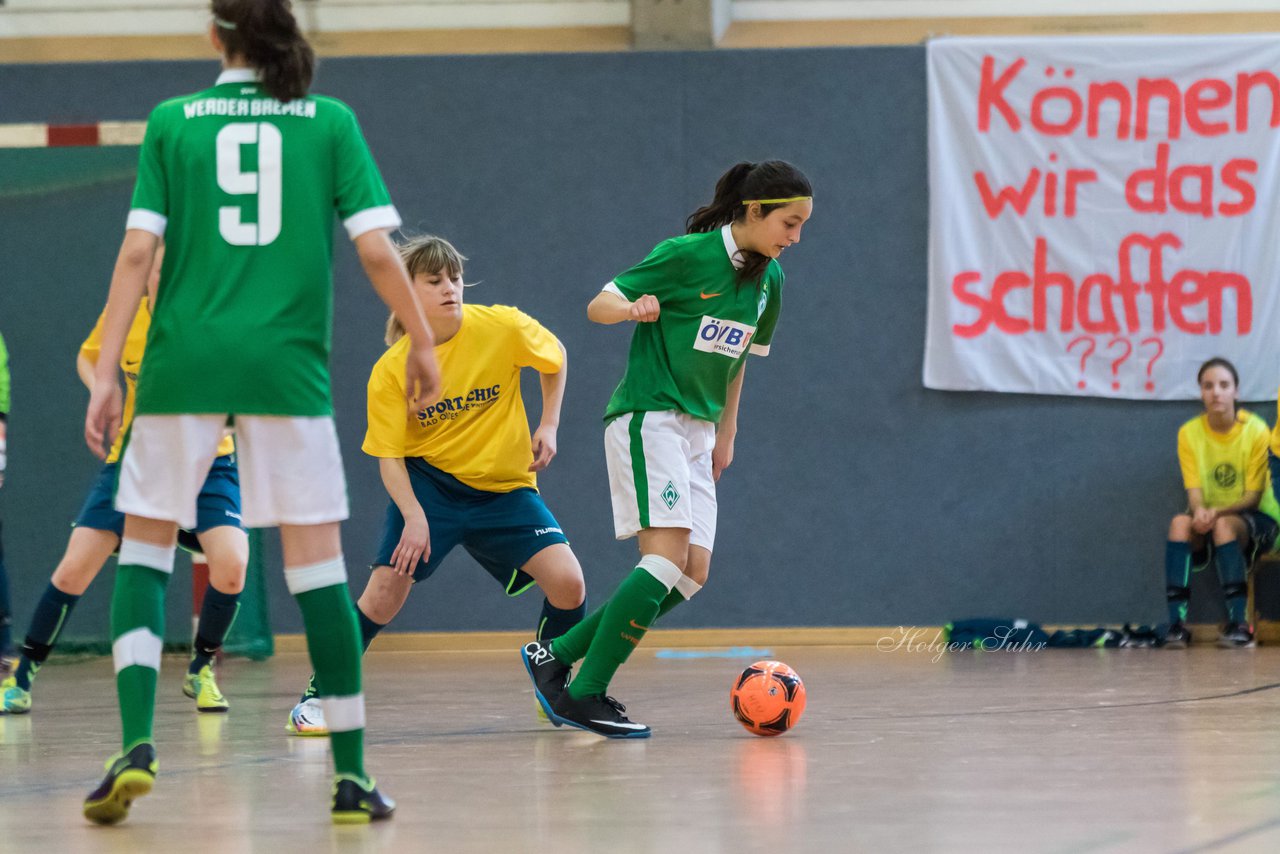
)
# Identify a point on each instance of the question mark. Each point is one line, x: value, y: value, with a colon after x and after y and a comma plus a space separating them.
x: 1093, y: 345
x: 1115, y: 365
x: 1151, y: 386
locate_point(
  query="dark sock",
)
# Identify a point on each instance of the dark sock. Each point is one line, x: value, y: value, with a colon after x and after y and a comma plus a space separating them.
x: 575, y: 642
x: 217, y: 613
x: 556, y: 621
x: 1232, y: 572
x: 1177, y: 575
x: 46, y: 624
x: 368, y: 629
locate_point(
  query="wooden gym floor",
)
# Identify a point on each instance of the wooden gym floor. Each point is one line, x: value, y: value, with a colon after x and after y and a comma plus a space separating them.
x: 1055, y: 751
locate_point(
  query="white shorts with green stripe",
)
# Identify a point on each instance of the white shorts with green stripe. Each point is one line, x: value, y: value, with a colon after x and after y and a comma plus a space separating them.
x: 660, y: 474
x: 290, y: 468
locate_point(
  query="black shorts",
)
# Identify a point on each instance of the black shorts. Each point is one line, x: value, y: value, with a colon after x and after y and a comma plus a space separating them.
x: 1260, y: 539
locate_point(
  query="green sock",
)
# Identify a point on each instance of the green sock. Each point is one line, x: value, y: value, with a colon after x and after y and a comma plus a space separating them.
x: 368, y: 631
x: 627, y: 616
x: 573, y: 644
x: 672, y: 599
x: 333, y: 640
x: 682, y: 592
x: 137, y: 632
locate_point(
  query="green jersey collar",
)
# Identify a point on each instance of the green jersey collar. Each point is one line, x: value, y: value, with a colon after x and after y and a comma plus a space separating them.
x: 731, y: 246
x: 237, y: 75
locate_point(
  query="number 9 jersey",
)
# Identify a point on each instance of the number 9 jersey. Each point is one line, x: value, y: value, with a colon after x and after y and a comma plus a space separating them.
x: 243, y: 189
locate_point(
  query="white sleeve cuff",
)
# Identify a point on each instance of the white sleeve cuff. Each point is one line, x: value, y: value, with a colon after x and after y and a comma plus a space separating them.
x: 146, y: 220
x: 369, y: 219
x: 759, y: 349
x: 612, y: 288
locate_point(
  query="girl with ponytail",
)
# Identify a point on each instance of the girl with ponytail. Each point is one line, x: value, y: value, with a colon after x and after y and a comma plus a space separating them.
x: 240, y: 336
x: 265, y: 35
x: 701, y: 304
x: 746, y: 195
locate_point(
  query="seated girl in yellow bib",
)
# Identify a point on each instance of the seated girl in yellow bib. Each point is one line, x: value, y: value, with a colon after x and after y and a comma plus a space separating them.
x: 1231, y: 514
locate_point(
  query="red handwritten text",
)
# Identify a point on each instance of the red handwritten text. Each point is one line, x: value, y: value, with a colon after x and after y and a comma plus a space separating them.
x: 1061, y: 110
x: 1101, y: 304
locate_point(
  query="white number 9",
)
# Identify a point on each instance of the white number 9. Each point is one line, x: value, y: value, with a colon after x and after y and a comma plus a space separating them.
x: 265, y: 183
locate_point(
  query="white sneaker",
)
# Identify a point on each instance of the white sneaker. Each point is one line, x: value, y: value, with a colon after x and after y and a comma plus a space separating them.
x: 307, y: 718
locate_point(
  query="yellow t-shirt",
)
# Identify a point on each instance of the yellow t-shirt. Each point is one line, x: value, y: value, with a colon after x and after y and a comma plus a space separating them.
x: 478, y: 431
x: 130, y: 363
x: 1275, y: 431
x: 1226, y: 465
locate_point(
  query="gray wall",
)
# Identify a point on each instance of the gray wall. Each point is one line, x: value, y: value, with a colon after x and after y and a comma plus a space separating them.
x: 857, y: 498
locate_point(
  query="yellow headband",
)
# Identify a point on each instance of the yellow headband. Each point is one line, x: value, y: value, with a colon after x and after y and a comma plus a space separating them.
x: 777, y: 201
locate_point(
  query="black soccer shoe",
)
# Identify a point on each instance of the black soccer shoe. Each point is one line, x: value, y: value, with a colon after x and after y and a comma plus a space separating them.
x: 549, y: 674
x: 129, y: 777
x: 599, y: 714
x: 1178, y: 637
x: 1237, y: 636
x: 355, y: 804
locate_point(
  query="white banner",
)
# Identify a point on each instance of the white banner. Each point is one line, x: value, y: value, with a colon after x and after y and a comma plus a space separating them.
x: 1104, y: 214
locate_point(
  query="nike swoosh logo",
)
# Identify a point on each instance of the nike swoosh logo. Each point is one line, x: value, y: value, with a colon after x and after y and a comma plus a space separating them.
x: 708, y: 296
x: 615, y: 723
x: 636, y: 625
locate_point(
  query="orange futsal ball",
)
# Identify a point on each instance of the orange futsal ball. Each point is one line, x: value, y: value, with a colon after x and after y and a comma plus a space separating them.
x: 768, y: 698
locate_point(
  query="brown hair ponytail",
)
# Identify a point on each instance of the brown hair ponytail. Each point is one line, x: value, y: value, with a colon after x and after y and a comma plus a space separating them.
x: 266, y: 35
x: 769, y: 179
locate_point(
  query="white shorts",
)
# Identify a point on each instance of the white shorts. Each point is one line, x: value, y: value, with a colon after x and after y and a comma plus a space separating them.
x: 290, y: 468
x: 660, y: 474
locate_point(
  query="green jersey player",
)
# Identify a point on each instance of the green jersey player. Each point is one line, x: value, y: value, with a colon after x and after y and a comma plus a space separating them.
x: 242, y: 181
x: 702, y: 303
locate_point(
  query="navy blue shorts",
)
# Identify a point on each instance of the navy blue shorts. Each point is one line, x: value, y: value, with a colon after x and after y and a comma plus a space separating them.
x: 501, y: 530
x: 218, y: 504
x: 1260, y: 539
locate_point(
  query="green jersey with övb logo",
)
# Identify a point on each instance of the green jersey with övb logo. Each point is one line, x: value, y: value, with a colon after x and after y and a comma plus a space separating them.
x: 707, y: 324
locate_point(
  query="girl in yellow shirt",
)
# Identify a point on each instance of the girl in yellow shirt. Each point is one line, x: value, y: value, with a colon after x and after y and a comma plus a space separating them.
x: 1231, y: 514
x: 463, y: 470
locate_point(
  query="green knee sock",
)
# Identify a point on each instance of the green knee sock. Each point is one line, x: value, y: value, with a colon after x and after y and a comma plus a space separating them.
x: 682, y: 592
x: 137, y: 632
x: 333, y: 639
x: 573, y: 644
x: 627, y: 616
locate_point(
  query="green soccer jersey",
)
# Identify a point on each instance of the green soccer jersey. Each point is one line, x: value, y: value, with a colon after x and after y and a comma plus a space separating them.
x: 707, y: 325
x: 243, y: 189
